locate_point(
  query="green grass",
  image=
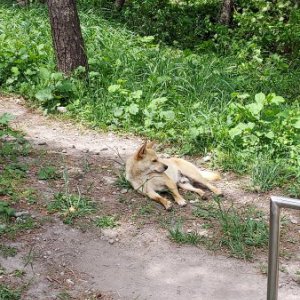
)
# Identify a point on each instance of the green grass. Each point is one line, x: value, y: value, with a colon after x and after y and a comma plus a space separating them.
x: 194, y: 99
x: 242, y: 231
x: 7, y: 293
x: 177, y: 235
x: 7, y: 251
x: 106, y: 222
x: 48, y: 172
x: 71, y: 206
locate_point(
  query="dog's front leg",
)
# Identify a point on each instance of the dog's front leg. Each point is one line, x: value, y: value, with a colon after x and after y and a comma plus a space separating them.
x: 158, y: 198
x: 172, y: 187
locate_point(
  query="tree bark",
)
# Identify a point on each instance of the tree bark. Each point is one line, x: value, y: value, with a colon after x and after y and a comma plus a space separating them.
x: 119, y: 4
x: 226, y: 12
x: 66, y: 35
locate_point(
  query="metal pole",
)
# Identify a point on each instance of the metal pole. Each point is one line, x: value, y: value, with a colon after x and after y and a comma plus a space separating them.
x: 272, y: 293
x: 275, y: 204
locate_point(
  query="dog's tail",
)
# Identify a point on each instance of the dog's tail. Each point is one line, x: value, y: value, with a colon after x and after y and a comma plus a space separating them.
x: 210, y: 176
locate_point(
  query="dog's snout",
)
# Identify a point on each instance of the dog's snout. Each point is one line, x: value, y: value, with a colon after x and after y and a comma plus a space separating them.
x: 166, y: 167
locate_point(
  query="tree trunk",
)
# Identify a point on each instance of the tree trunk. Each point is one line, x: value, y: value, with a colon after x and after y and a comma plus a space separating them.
x: 119, y: 4
x: 66, y: 35
x: 226, y: 12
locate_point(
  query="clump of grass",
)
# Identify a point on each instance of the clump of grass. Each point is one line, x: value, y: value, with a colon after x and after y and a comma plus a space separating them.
x: 71, y: 206
x: 48, y: 172
x: 177, y: 235
x: 267, y: 173
x: 7, y: 251
x: 241, y: 230
x: 121, y: 181
x: 7, y: 293
x: 106, y: 222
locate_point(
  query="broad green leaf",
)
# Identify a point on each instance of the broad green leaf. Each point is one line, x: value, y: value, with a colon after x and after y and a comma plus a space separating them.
x: 168, y: 115
x: 255, y: 108
x: 133, y: 108
x: 113, y: 88
x: 137, y: 94
x: 297, y: 124
x: 118, y: 112
x: 45, y: 73
x: 45, y: 94
x: 260, y: 98
x: 5, y: 118
x: 240, y: 128
x: 277, y: 100
x: 270, y: 135
x: 156, y: 102
x: 15, y: 71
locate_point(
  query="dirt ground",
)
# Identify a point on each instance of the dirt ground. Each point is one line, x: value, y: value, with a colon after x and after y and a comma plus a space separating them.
x: 135, y: 260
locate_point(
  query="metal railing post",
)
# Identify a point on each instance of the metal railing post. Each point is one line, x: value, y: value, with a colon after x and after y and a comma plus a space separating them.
x: 273, y: 262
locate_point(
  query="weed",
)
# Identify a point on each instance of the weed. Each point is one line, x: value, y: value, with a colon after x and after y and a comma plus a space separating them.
x: 64, y: 296
x: 242, y: 232
x: 71, y: 206
x: 48, y: 172
x: 267, y: 173
x: 146, y: 209
x: 177, y: 235
x: 7, y: 251
x: 7, y: 293
x: 13, y: 228
x: 30, y: 195
x: 19, y: 273
x: 106, y: 222
x: 122, y: 182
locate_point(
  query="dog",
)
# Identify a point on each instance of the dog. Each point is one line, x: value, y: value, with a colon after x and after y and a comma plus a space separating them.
x: 149, y: 174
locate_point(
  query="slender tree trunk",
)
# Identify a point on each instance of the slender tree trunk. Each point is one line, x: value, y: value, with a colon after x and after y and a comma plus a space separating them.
x: 226, y: 12
x: 66, y: 35
x: 119, y: 4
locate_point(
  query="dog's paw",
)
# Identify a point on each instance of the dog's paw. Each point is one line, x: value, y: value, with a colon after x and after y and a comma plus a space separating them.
x: 168, y: 205
x: 204, y: 196
x: 181, y: 202
x: 219, y: 193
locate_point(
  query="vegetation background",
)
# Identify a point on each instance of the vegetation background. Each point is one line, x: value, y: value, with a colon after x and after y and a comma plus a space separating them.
x: 170, y: 71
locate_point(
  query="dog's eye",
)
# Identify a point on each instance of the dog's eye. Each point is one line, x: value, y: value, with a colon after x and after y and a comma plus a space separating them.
x: 154, y: 160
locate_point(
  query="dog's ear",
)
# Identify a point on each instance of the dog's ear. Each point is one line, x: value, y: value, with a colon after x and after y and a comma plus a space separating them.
x: 141, y: 152
x: 150, y: 145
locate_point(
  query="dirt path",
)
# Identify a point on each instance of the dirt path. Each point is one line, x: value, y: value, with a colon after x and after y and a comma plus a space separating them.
x: 130, y: 261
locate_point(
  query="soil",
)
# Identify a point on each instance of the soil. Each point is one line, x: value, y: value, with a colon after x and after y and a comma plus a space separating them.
x: 136, y: 259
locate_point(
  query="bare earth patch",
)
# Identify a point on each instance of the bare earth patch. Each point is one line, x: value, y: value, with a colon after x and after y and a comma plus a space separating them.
x: 135, y: 259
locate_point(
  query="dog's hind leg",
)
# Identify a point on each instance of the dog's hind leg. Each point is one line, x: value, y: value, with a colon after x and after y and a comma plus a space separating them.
x: 187, y: 186
x: 158, y: 198
x: 196, y: 177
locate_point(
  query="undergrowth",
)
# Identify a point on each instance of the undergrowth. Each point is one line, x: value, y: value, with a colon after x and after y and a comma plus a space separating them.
x: 203, y: 99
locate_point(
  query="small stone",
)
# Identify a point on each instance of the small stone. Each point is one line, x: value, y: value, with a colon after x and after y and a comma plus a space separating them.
x: 206, y: 158
x: 104, y: 149
x: 21, y: 214
x: 294, y: 220
x: 86, y: 151
x: 64, y: 151
x: 111, y: 241
x: 194, y: 201
x: 73, y: 146
x: 42, y: 143
x: 69, y: 281
x: 62, y: 109
x: 123, y: 191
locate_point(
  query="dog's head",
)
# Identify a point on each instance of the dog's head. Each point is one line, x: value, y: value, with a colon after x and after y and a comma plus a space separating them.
x: 148, y: 160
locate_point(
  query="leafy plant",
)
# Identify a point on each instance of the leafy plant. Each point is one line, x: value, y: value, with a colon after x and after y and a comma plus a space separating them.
x: 106, y: 222
x: 47, y: 172
x: 7, y: 293
x: 179, y: 236
x: 71, y: 206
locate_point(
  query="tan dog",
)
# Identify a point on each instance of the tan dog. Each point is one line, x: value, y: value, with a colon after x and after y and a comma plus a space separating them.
x: 150, y: 174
